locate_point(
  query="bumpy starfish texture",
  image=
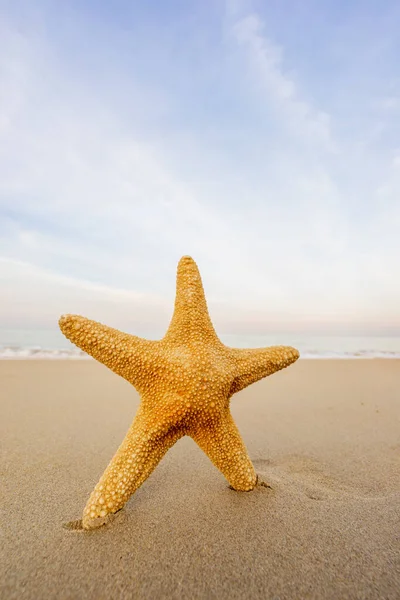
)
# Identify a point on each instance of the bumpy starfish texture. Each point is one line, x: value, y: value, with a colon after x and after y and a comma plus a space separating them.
x: 185, y: 381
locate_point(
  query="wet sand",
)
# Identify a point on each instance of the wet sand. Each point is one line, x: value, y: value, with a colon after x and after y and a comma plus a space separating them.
x: 324, y: 434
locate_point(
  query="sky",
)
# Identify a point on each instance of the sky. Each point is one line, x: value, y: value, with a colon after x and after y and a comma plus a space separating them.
x: 260, y: 138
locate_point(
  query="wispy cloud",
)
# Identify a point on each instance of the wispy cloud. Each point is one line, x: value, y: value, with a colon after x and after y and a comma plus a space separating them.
x: 265, y: 59
x: 31, y: 295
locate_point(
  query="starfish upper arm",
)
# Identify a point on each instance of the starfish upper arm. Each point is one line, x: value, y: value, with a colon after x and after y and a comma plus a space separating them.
x: 125, y: 354
x: 190, y: 319
x: 254, y: 364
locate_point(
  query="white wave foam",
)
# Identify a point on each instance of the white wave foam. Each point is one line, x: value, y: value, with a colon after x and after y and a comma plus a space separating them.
x: 18, y: 353
x: 359, y: 354
x: 37, y: 353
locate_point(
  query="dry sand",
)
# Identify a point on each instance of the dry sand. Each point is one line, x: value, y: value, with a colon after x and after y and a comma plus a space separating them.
x: 324, y: 434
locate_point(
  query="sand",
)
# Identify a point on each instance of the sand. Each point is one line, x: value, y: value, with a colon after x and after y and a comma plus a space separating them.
x: 324, y: 434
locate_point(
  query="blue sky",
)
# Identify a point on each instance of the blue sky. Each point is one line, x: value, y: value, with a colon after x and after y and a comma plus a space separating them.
x: 261, y: 138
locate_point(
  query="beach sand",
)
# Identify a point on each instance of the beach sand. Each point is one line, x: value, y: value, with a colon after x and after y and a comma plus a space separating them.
x: 324, y: 434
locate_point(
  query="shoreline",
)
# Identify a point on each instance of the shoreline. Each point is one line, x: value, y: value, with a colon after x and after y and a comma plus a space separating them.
x: 349, y: 357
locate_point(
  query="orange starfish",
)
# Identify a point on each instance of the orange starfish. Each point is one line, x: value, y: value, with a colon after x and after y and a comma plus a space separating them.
x: 185, y: 381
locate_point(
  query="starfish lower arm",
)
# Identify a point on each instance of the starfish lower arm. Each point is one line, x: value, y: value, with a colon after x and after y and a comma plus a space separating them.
x: 144, y: 446
x: 225, y: 448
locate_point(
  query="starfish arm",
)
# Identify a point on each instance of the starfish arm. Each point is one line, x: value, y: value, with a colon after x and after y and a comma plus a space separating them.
x: 190, y: 319
x: 125, y: 354
x: 255, y: 364
x: 145, y: 444
x: 225, y: 448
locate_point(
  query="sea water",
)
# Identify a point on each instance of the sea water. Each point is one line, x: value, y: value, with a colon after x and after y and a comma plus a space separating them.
x: 51, y: 344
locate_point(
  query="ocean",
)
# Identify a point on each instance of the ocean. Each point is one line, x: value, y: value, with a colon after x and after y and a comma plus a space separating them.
x: 51, y: 344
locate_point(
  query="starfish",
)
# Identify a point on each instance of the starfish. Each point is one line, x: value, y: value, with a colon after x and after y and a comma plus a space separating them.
x: 185, y: 381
